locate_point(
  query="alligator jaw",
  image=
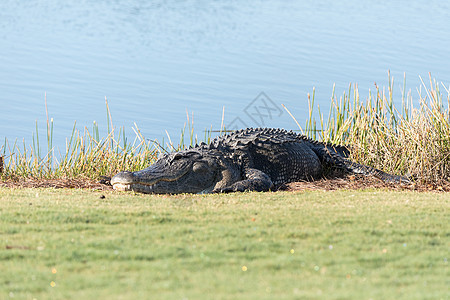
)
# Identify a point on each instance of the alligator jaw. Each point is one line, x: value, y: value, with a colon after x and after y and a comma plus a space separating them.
x: 121, y: 187
x: 129, y: 181
x: 123, y: 181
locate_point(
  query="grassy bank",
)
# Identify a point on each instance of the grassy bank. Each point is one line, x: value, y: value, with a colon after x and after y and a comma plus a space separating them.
x: 73, y: 244
x: 407, y: 139
x: 412, y: 138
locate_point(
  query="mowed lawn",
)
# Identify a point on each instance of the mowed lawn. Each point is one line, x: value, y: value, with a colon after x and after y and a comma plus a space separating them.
x: 82, y: 244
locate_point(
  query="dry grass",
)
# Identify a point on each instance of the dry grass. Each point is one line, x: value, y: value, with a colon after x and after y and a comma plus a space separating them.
x: 87, y: 156
x: 412, y: 140
x: 332, y: 183
x: 56, y: 183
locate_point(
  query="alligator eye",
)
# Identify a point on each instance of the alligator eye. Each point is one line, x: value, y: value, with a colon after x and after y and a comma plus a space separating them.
x: 177, y: 156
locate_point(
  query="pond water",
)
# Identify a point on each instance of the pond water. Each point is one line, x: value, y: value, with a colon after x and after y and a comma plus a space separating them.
x: 156, y: 60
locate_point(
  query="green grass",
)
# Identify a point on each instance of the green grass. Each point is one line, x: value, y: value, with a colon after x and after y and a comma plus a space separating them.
x: 72, y: 244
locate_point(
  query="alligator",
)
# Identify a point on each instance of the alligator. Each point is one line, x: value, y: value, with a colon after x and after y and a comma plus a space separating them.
x: 260, y: 159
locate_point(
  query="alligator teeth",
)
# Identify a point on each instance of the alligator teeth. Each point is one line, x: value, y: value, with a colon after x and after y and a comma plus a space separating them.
x: 121, y: 187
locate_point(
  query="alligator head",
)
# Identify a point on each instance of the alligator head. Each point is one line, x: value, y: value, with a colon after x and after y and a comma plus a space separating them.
x: 180, y: 172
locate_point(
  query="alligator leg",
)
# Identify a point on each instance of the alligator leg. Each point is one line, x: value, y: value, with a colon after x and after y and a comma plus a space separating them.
x: 256, y: 180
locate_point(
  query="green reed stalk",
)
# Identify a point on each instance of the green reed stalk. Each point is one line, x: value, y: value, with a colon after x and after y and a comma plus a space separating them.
x: 411, y: 140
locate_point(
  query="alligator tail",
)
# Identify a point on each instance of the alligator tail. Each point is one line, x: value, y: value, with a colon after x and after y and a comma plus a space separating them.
x: 337, y: 156
x: 357, y: 168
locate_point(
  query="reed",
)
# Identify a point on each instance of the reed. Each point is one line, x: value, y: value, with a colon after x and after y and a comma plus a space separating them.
x: 410, y: 139
x: 86, y: 155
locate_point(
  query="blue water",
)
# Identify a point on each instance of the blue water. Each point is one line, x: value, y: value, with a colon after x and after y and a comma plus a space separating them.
x: 155, y: 60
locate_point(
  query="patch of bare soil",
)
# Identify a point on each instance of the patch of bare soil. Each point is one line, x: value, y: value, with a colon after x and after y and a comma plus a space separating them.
x: 56, y: 183
x: 352, y: 182
x: 346, y: 182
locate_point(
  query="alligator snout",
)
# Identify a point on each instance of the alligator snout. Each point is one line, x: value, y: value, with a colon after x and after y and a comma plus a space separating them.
x: 123, y: 181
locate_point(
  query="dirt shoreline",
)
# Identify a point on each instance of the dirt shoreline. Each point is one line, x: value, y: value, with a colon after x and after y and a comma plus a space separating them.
x: 349, y: 182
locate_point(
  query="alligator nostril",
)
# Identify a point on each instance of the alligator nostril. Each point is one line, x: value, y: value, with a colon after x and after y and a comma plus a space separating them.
x: 124, y: 177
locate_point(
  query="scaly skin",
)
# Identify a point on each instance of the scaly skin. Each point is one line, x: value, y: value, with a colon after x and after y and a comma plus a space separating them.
x: 258, y: 159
